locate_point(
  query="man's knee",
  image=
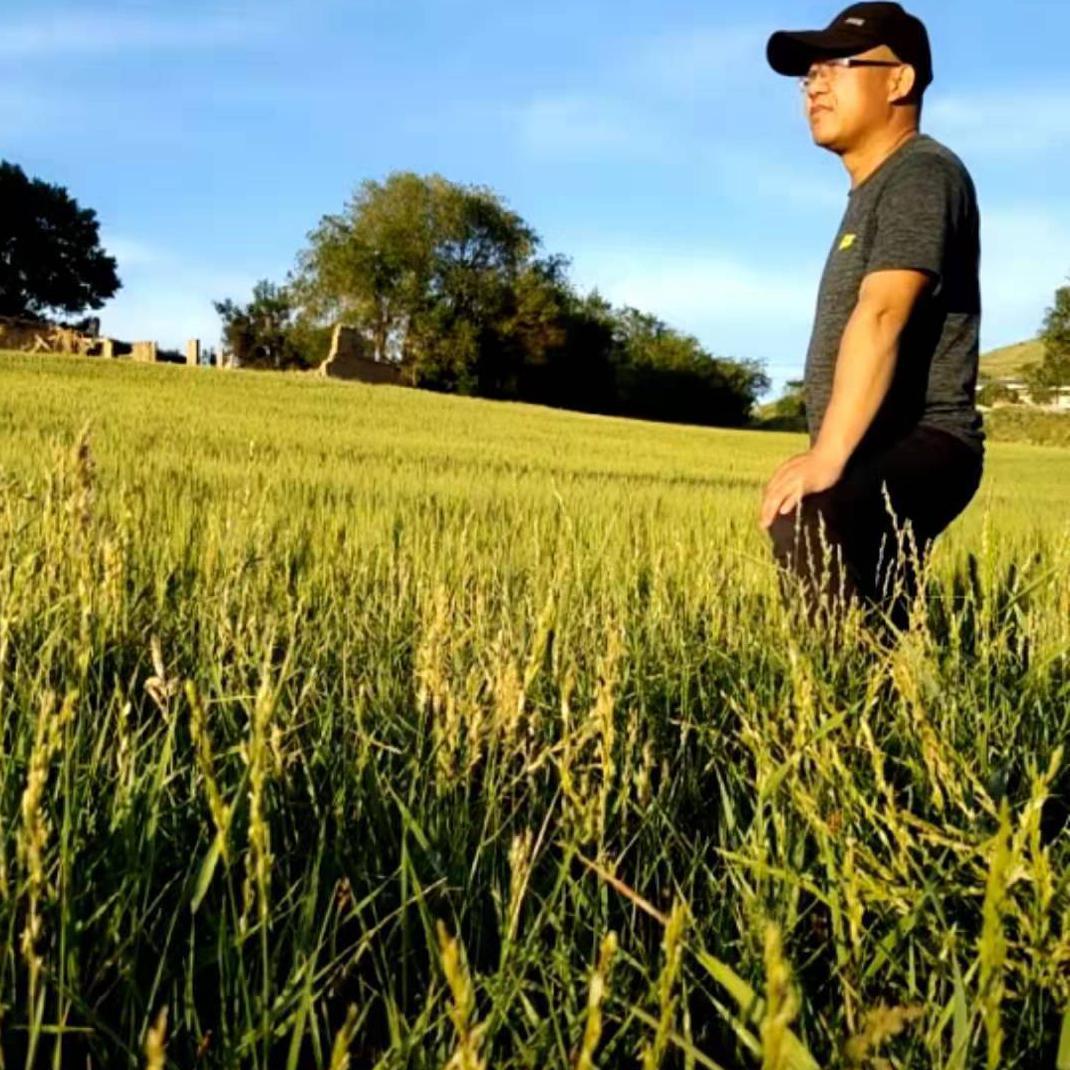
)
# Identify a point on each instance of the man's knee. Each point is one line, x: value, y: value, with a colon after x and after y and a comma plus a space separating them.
x: 810, y: 524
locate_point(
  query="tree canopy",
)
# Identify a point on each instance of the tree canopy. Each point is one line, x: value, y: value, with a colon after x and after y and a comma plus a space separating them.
x: 261, y: 334
x: 428, y: 267
x: 450, y: 283
x: 50, y: 254
x: 1054, y: 370
x: 787, y: 412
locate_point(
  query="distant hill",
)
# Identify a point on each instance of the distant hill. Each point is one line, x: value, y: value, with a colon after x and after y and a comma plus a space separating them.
x: 1013, y: 359
x: 1007, y: 361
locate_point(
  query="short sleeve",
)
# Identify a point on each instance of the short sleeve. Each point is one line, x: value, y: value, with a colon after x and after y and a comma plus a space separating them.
x: 914, y: 219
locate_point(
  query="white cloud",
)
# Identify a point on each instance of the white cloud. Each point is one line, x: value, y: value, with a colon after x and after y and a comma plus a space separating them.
x: 171, y: 308
x: 808, y: 181
x: 741, y: 308
x: 161, y: 314
x: 703, y: 286
x: 165, y: 296
x: 93, y: 32
x: 706, y: 59
x: 629, y: 113
x: 26, y: 110
x: 735, y: 308
x: 1004, y: 123
x: 1025, y: 257
x: 132, y: 252
x: 579, y: 124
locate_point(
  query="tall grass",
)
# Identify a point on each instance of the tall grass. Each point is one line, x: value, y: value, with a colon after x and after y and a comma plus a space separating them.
x: 359, y: 726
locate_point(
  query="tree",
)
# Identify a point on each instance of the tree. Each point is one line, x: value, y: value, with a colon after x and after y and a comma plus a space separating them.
x: 447, y: 281
x: 50, y: 254
x: 577, y: 368
x: 787, y: 412
x: 663, y: 374
x: 992, y: 393
x: 429, y: 268
x: 527, y: 330
x: 263, y: 333
x: 1053, y: 371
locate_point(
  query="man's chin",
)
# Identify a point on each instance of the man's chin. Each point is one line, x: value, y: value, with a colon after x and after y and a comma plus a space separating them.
x: 825, y: 139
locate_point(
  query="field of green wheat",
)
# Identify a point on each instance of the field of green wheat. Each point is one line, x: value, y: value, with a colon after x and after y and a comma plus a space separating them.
x: 362, y: 726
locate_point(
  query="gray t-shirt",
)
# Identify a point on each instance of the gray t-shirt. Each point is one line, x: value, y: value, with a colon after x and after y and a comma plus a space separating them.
x: 918, y: 210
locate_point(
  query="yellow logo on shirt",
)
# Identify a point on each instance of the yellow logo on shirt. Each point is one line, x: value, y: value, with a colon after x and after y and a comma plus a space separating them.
x: 847, y: 241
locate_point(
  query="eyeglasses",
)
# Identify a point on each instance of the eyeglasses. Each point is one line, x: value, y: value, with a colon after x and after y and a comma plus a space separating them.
x: 828, y: 67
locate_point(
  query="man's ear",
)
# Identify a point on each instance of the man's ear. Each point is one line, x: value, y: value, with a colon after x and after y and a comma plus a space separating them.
x: 902, y: 84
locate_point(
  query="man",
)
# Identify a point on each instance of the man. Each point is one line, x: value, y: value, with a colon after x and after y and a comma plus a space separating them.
x: 896, y: 441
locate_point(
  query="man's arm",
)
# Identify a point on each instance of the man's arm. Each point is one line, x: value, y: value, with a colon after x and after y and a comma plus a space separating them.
x: 865, y: 364
x: 866, y: 360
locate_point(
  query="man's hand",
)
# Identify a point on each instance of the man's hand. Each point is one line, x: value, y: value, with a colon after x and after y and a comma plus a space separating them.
x: 805, y: 473
x: 865, y: 365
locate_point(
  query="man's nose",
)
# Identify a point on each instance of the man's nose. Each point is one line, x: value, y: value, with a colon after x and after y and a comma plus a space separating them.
x: 815, y: 89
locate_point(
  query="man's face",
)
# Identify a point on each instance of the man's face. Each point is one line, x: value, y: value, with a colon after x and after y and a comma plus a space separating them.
x: 843, y: 104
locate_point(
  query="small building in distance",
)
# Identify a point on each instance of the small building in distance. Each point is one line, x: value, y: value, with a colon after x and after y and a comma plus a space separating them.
x: 1013, y: 390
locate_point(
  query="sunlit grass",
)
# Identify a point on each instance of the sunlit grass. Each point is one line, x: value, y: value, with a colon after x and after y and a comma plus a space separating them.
x: 352, y: 722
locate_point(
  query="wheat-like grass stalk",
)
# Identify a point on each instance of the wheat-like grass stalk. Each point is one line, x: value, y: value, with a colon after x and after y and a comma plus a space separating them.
x: 466, y: 1054
x: 672, y: 947
x: 258, y: 859
x: 343, y: 1039
x: 32, y: 843
x: 596, y: 993
x: 448, y: 581
x: 155, y: 1046
x: 781, y: 1002
x: 202, y: 742
x: 992, y: 944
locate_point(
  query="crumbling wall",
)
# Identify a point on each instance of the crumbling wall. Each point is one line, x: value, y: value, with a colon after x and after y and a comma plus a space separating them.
x: 349, y: 359
x: 41, y: 336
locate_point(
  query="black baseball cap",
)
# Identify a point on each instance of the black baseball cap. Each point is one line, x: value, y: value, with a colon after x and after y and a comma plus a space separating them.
x: 855, y: 29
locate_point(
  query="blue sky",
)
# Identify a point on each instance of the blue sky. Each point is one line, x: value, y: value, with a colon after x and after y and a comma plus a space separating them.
x: 648, y: 142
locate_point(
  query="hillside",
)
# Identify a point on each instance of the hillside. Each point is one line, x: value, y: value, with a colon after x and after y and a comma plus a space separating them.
x: 996, y: 363
x: 1012, y: 359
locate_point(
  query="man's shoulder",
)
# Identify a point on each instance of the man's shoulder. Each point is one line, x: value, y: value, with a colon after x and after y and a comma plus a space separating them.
x: 926, y: 155
x: 924, y: 169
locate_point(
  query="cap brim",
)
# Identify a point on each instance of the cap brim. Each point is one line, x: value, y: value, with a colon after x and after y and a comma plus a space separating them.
x: 793, y: 51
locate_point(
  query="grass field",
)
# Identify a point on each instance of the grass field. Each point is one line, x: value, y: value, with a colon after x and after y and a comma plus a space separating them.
x: 357, y: 723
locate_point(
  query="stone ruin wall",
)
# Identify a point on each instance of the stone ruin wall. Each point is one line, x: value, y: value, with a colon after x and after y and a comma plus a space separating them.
x: 349, y: 359
x: 40, y: 336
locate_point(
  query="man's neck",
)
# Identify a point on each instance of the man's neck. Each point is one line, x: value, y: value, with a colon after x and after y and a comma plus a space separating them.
x: 864, y: 160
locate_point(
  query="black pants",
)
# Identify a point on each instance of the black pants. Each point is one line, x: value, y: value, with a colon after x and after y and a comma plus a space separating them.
x: 845, y: 545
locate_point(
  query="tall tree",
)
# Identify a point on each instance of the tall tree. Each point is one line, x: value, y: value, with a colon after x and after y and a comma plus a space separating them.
x: 446, y: 280
x: 576, y: 368
x: 786, y: 413
x: 50, y: 255
x: 664, y: 374
x: 427, y: 267
x: 1054, y: 369
x: 261, y: 334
